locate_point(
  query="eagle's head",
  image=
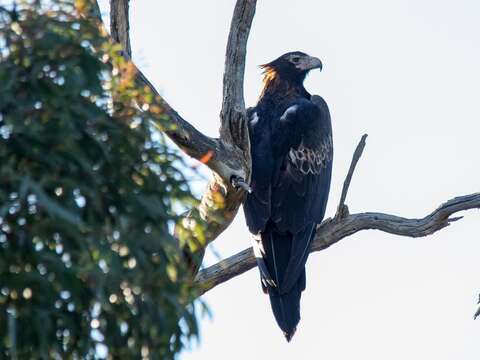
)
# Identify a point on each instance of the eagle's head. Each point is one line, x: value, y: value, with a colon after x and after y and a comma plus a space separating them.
x: 292, y: 66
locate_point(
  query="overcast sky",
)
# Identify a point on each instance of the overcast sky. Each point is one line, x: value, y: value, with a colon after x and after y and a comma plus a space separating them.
x: 408, y: 74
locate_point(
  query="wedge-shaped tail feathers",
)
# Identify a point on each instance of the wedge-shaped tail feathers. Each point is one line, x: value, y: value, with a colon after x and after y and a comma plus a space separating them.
x: 286, y: 308
x: 281, y: 259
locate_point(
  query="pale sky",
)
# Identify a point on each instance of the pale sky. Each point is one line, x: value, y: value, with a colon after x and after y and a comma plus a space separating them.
x: 407, y: 72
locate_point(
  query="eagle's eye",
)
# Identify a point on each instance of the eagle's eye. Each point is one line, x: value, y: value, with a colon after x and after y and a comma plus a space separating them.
x: 295, y: 59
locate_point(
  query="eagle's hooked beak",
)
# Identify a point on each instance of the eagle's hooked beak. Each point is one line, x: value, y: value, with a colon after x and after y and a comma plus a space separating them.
x: 309, y: 63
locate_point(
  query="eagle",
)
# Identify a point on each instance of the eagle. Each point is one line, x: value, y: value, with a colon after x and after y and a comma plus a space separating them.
x: 291, y: 148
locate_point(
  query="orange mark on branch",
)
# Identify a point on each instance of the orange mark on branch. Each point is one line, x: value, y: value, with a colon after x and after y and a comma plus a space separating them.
x: 207, y: 157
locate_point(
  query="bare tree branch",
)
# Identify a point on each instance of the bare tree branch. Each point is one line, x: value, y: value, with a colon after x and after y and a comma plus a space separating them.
x: 342, y: 209
x: 228, y: 156
x: 234, y: 125
x: 331, y: 231
x: 120, y: 25
x: 477, y: 313
x: 187, y: 137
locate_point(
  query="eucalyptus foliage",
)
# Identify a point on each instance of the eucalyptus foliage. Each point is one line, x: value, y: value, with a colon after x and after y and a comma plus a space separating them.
x: 88, y: 193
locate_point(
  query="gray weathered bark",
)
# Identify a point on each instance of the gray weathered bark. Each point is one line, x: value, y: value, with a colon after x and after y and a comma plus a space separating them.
x: 227, y: 156
x: 119, y: 24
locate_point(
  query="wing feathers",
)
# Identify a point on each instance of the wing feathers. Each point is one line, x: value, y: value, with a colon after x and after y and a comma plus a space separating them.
x: 292, y: 155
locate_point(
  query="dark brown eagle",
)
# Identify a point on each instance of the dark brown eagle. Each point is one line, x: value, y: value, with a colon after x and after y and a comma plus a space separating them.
x: 292, y: 150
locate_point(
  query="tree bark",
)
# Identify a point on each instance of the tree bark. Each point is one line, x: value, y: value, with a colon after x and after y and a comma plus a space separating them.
x: 331, y: 231
x: 227, y: 156
x: 120, y: 25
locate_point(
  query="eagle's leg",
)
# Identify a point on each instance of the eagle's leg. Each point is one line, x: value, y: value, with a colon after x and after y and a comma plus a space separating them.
x: 238, y: 182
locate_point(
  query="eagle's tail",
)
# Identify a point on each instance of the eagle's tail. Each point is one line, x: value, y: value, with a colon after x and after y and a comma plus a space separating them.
x: 286, y: 307
x: 274, y: 252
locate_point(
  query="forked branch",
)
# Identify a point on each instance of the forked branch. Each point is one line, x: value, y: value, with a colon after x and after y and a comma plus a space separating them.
x: 227, y: 156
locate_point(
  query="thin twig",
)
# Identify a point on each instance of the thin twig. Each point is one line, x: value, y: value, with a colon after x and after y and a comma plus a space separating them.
x: 342, y: 210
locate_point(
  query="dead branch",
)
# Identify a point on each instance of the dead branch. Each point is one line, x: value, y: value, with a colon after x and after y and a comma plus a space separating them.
x: 342, y: 225
x: 180, y: 131
x: 228, y: 156
x: 234, y: 128
x: 342, y: 209
x: 120, y: 25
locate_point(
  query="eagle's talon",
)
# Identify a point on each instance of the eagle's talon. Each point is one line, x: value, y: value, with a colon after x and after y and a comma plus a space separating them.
x: 240, y: 183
